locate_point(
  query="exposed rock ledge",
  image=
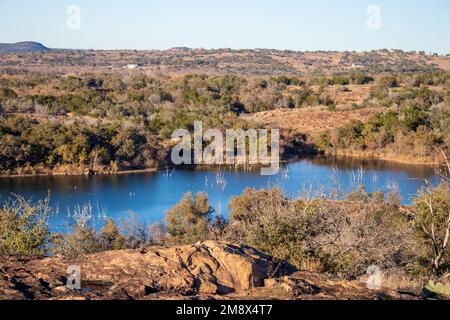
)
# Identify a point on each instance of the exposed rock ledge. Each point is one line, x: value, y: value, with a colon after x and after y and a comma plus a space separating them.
x: 205, y: 270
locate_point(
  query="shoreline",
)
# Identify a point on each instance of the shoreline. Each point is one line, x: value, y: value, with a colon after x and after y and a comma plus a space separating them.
x: 58, y: 174
x: 382, y: 157
x: 337, y: 155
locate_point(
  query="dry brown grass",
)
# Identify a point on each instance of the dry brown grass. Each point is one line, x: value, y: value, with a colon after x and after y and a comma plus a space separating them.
x: 400, y: 282
x: 311, y: 120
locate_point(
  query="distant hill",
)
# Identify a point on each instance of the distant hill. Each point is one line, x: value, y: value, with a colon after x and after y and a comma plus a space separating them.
x: 261, y: 62
x: 181, y: 48
x: 26, y: 46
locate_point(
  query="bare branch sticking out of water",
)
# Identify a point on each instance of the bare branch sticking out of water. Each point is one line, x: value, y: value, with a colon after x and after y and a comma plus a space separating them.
x: 84, y: 214
x: 220, y: 180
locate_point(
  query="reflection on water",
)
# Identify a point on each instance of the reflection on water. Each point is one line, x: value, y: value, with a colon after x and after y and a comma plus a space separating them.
x: 351, y: 163
x: 150, y: 194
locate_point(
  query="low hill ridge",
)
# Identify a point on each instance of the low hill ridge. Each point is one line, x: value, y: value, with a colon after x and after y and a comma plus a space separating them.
x: 25, y: 46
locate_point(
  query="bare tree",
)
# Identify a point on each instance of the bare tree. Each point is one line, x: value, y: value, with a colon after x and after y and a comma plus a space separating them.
x: 432, y: 213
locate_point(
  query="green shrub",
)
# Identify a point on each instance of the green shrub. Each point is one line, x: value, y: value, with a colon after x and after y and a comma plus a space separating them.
x: 24, y: 227
x: 361, y: 79
x: 188, y: 221
x: 110, y: 237
x: 80, y: 241
x: 439, y: 290
x: 324, y: 141
x: 413, y: 117
x: 352, y: 134
x: 341, y: 80
x: 390, y: 81
x: 331, y: 107
x: 270, y: 222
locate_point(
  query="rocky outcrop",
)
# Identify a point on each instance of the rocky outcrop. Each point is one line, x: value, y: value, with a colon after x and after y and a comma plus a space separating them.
x: 206, y: 269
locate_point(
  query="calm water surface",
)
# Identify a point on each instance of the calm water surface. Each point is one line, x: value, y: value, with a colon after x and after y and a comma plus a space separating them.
x: 151, y: 194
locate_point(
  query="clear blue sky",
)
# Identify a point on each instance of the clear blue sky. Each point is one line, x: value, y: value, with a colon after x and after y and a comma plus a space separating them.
x: 282, y: 24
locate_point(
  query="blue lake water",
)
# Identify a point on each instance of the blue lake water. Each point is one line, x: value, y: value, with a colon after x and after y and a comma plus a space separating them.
x: 150, y: 194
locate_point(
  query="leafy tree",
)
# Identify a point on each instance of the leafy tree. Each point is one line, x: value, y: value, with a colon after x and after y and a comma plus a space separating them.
x: 352, y: 133
x: 413, y: 117
x: 111, y: 238
x: 13, y: 152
